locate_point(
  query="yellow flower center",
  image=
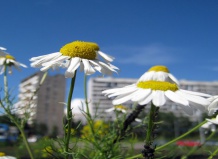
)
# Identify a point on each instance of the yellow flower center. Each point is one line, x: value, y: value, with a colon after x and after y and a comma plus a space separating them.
x: 157, y: 85
x: 85, y: 50
x: 120, y: 107
x: 2, y: 154
x: 9, y: 57
x: 159, y: 68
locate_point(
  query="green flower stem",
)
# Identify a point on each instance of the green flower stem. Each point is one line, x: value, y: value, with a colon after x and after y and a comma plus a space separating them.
x: 198, y: 147
x: 24, y: 139
x: 174, y: 140
x: 67, y: 130
x: 8, y: 111
x: 86, y: 96
x: 6, y: 85
x: 150, y: 125
x: 89, y: 118
x: 213, y: 154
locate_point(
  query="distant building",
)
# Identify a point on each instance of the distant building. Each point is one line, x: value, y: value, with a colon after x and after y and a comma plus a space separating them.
x: 42, y: 107
x: 100, y: 102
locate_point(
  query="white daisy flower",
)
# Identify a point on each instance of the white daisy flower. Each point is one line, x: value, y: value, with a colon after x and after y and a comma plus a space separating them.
x: 7, y: 157
x: 158, y: 73
x: 119, y: 108
x: 158, y: 92
x: 214, y: 120
x: 213, y: 107
x: 122, y: 109
x: 211, y: 124
x: 3, y: 156
x: 9, y: 61
x: 72, y: 55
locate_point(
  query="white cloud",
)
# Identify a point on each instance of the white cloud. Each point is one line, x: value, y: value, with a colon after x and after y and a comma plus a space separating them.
x: 146, y: 55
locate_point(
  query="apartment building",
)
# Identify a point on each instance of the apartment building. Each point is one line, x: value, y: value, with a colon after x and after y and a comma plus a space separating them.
x: 100, y: 102
x: 43, y: 106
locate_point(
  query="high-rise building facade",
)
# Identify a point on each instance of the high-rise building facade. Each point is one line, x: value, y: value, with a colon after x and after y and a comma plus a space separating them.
x: 43, y: 106
x: 100, y: 102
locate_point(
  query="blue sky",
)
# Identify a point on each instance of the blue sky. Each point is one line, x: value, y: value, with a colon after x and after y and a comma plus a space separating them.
x: 181, y: 34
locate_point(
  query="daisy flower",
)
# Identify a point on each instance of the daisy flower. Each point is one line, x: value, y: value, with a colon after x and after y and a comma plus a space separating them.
x: 119, y: 108
x: 211, y: 124
x: 213, y: 107
x: 9, y: 61
x: 158, y: 73
x: 122, y: 109
x: 158, y: 92
x: 78, y: 53
x: 3, y: 156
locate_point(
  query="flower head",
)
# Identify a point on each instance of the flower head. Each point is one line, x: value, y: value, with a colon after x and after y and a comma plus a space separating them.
x: 119, y: 108
x: 211, y: 124
x: 213, y: 107
x: 9, y: 61
x: 3, y: 156
x: 72, y: 55
x: 145, y: 91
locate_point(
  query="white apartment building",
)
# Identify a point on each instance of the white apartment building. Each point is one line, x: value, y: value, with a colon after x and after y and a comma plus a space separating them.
x: 99, y: 102
x: 43, y: 106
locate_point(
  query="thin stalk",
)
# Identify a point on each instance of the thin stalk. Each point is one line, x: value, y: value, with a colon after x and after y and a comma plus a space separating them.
x: 69, y: 117
x: 89, y: 118
x: 181, y: 136
x: 174, y: 140
x: 150, y: 125
x: 25, y: 140
x: 86, y: 96
x: 213, y: 154
x: 198, y: 147
x: 6, y: 85
x: 7, y: 110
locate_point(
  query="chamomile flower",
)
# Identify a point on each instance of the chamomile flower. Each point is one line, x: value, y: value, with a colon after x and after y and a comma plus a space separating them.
x: 211, y: 124
x: 213, y: 107
x: 119, y: 108
x: 158, y: 73
x: 9, y: 61
x: 3, y: 156
x: 158, y: 92
x: 78, y: 53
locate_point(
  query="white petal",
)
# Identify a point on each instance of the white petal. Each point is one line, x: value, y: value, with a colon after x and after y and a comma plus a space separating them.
x: 2, y: 48
x: 105, y: 56
x: 74, y: 64
x: 45, y: 59
x: 114, y: 90
x: 193, y: 98
x: 173, y: 96
x: 122, y: 99
x: 141, y: 94
x: 214, y: 104
x: 159, y: 98
x: 173, y: 78
x: 109, y: 110
x: 147, y: 99
x: 195, y: 93
x: 87, y: 67
x: 106, y: 66
x: 44, y: 56
x: 147, y: 76
x: 124, y: 90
